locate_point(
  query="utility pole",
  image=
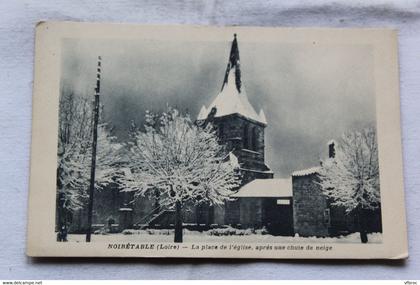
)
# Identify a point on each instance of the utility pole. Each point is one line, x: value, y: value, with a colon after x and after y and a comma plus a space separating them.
x: 94, y: 142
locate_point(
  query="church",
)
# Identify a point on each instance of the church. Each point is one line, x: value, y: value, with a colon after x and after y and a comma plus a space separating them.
x: 261, y: 201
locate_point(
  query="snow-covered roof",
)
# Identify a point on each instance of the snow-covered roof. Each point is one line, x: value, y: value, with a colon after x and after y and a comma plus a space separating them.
x: 277, y: 187
x: 202, y: 115
x: 263, y: 119
x: 231, y: 101
x: 307, y: 171
x: 233, y: 160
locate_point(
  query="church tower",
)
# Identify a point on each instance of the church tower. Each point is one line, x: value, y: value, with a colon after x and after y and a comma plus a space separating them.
x: 238, y: 125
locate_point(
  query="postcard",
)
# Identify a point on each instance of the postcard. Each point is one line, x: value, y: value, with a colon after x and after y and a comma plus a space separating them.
x: 216, y: 142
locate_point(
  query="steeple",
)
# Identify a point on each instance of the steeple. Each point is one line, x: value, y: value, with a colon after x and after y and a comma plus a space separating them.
x: 232, y: 98
x: 233, y: 64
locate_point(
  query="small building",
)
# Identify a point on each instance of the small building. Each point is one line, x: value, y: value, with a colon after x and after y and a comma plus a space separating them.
x: 313, y: 213
x: 267, y: 203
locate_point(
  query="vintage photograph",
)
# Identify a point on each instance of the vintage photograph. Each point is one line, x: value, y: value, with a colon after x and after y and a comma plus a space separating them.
x: 240, y: 142
x: 224, y: 141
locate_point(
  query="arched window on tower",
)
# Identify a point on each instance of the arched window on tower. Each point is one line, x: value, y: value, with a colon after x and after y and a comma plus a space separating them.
x: 250, y: 137
x: 254, y: 139
x: 245, y: 137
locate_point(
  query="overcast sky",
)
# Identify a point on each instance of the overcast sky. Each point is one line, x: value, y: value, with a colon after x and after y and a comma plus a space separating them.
x: 310, y: 93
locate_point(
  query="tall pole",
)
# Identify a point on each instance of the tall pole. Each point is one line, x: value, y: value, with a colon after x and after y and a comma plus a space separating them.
x: 94, y: 142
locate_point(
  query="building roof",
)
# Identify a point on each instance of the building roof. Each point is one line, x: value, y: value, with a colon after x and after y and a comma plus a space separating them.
x: 266, y: 188
x: 232, y: 99
x: 307, y: 171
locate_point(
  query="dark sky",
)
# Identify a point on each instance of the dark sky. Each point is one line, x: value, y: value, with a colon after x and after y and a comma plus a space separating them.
x: 310, y: 93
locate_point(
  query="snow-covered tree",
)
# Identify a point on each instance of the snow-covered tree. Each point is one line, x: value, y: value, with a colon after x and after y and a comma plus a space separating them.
x: 74, y: 135
x: 75, y: 153
x: 182, y: 161
x: 351, y: 179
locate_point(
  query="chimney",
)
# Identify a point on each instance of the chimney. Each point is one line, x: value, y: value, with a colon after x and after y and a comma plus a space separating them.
x: 331, y: 149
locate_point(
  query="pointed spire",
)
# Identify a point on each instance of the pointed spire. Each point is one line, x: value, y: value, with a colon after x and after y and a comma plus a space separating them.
x: 202, y: 115
x: 232, y: 99
x: 263, y: 119
x: 233, y: 64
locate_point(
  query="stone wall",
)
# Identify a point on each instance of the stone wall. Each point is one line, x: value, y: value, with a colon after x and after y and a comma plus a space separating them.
x: 309, y: 205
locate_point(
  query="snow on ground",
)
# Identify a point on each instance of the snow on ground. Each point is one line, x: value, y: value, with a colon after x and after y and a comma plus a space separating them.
x: 194, y: 236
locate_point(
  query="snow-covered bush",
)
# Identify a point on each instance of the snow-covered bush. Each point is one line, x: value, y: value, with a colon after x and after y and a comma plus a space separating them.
x: 230, y: 231
x: 262, y: 231
x: 159, y: 232
x: 129, y: 232
x: 101, y: 231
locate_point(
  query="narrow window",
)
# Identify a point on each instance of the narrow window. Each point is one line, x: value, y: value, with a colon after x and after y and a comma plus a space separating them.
x: 254, y: 139
x: 250, y: 138
x: 327, y: 217
x: 245, y: 137
x: 221, y: 133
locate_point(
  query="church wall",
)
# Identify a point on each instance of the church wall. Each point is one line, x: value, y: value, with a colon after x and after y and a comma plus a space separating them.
x: 251, y: 213
x: 142, y: 208
x: 219, y: 215
x: 232, y: 212
x: 106, y: 203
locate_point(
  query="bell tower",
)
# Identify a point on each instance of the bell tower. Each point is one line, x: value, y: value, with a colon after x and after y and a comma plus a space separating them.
x: 239, y: 126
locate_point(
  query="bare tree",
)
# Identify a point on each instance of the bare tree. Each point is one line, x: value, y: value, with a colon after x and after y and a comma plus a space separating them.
x: 182, y: 161
x: 351, y: 179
